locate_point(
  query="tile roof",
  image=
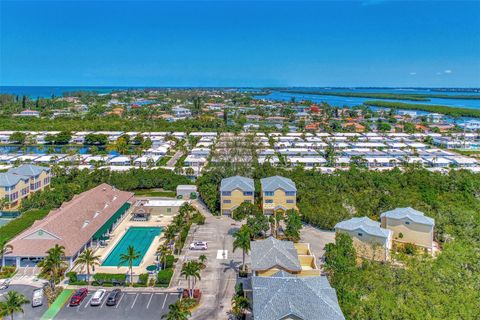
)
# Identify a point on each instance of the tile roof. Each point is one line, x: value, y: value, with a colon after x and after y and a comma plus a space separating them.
x: 410, y: 213
x: 285, y: 296
x: 275, y: 182
x: 366, y: 225
x: 74, y: 223
x: 270, y: 252
x: 232, y: 183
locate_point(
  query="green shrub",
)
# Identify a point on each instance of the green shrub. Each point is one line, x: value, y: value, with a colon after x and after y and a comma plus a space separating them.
x: 72, y: 277
x: 169, y: 261
x: 7, y: 272
x: 198, y: 218
x: 163, y: 277
x: 143, y: 278
x: 103, y: 278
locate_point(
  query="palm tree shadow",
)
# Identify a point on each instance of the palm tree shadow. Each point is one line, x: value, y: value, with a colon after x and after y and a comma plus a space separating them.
x: 232, y: 231
x: 232, y: 265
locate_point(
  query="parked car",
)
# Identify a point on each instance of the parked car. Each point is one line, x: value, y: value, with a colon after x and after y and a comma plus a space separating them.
x: 199, y: 245
x: 4, y: 283
x: 98, y: 297
x: 78, y: 297
x: 37, y: 298
x: 113, y: 297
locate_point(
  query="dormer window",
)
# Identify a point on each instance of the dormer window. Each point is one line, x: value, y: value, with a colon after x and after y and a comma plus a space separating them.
x: 96, y: 214
x: 407, y: 222
x: 85, y: 223
x: 360, y: 234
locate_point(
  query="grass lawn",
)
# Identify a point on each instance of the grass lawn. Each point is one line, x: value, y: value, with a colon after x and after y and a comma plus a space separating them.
x: 25, y: 220
x: 154, y: 193
x: 57, y: 305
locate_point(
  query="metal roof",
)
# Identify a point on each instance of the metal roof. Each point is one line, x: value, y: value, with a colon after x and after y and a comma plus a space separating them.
x: 276, y: 182
x: 28, y: 170
x: 365, y: 224
x: 237, y: 182
x: 8, y: 179
x: 410, y: 213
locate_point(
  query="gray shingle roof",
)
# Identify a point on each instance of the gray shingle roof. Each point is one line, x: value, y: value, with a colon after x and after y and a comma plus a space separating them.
x: 283, y: 295
x: 271, y: 252
x: 365, y: 224
x: 237, y: 182
x: 8, y: 179
x: 28, y: 170
x: 275, y: 182
x: 410, y: 213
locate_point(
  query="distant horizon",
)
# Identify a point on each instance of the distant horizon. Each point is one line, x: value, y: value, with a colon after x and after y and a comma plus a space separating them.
x: 432, y: 44
x: 221, y: 87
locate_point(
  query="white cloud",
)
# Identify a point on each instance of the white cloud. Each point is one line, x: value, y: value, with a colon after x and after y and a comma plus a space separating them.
x: 413, y: 73
x: 447, y: 71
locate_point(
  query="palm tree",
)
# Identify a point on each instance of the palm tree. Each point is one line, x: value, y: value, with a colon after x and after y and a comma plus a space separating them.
x: 13, y: 303
x: 129, y: 257
x: 53, y: 263
x: 177, y: 312
x: 163, y: 252
x: 89, y: 259
x: 191, y: 269
x: 169, y: 233
x: 202, y: 259
x: 239, y: 305
x: 242, y: 241
x: 4, y: 248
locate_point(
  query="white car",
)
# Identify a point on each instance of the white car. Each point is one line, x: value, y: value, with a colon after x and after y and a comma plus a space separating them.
x: 37, y: 297
x: 4, y: 283
x: 199, y: 245
x: 98, y: 297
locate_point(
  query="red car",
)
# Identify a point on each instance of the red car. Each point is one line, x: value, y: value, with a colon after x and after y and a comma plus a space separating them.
x: 78, y: 297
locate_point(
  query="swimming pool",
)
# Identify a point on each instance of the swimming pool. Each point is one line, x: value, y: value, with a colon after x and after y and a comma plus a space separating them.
x: 140, y: 238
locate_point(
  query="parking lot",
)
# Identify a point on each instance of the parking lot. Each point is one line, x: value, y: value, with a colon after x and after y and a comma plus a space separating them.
x: 29, y: 311
x: 131, y: 305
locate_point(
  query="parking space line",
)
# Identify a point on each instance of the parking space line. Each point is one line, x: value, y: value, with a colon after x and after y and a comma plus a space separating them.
x: 150, y: 300
x: 165, y: 300
x: 104, y: 300
x: 134, y: 301
x: 119, y: 301
x: 86, y: 305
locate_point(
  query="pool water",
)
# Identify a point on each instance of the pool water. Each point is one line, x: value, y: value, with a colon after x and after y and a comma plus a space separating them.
x: 140, y: 238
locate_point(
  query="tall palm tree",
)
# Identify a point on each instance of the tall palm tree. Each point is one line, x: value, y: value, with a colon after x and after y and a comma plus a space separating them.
x: 4, y: 248
x: 53, y: 263
x: 88, y: 259
x: 163, y: 252
x: 169, y: 233
x: 12, y: 304
x: 129, y: 257
x: 242, y: 241
x: 177, y: 312
x: 191, y: 270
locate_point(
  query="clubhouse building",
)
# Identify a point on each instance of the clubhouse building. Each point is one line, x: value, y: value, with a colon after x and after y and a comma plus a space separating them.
x: 78, y: 224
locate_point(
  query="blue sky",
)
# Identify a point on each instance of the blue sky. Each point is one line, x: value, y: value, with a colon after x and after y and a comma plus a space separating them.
x: 233, y: 43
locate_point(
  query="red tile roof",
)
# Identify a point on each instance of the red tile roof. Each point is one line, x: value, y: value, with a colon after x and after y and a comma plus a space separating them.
x: 73, y: 224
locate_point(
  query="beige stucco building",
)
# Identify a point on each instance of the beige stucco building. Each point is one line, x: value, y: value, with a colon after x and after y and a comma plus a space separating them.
x: 234, y: 191
x: 409, y: 226
x: 369, y: 239
x: 18, y: 183
x: 279, y: 194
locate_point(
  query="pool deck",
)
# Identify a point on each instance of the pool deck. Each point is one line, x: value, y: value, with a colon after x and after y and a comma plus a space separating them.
x: 116, y: 236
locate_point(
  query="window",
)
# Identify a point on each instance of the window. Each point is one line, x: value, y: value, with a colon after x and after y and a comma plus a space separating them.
x: 227, y: 201
x: 248, y: 193
x: 268, y: 193
x: 226, y: 193
x: 268, y: 201
x: 169, y: 210
x: 360, y: 234
x: 290, y: 193
x: 290, y: 201
x: 407, y: 222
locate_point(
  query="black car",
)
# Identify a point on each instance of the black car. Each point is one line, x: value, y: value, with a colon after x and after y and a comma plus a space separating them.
x: 113, y: 297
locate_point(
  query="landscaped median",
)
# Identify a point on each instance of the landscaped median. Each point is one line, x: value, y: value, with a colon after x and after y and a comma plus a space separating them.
x: 57, y: 305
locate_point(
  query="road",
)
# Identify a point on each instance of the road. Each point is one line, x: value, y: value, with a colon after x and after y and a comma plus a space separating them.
x: 173, y: 160
x: 219, y: 277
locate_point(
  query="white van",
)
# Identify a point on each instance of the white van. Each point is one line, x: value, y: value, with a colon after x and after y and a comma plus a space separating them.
x: 37, y: 299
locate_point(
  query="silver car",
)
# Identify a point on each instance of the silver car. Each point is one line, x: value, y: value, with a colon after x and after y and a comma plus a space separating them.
x: 98, y: 297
